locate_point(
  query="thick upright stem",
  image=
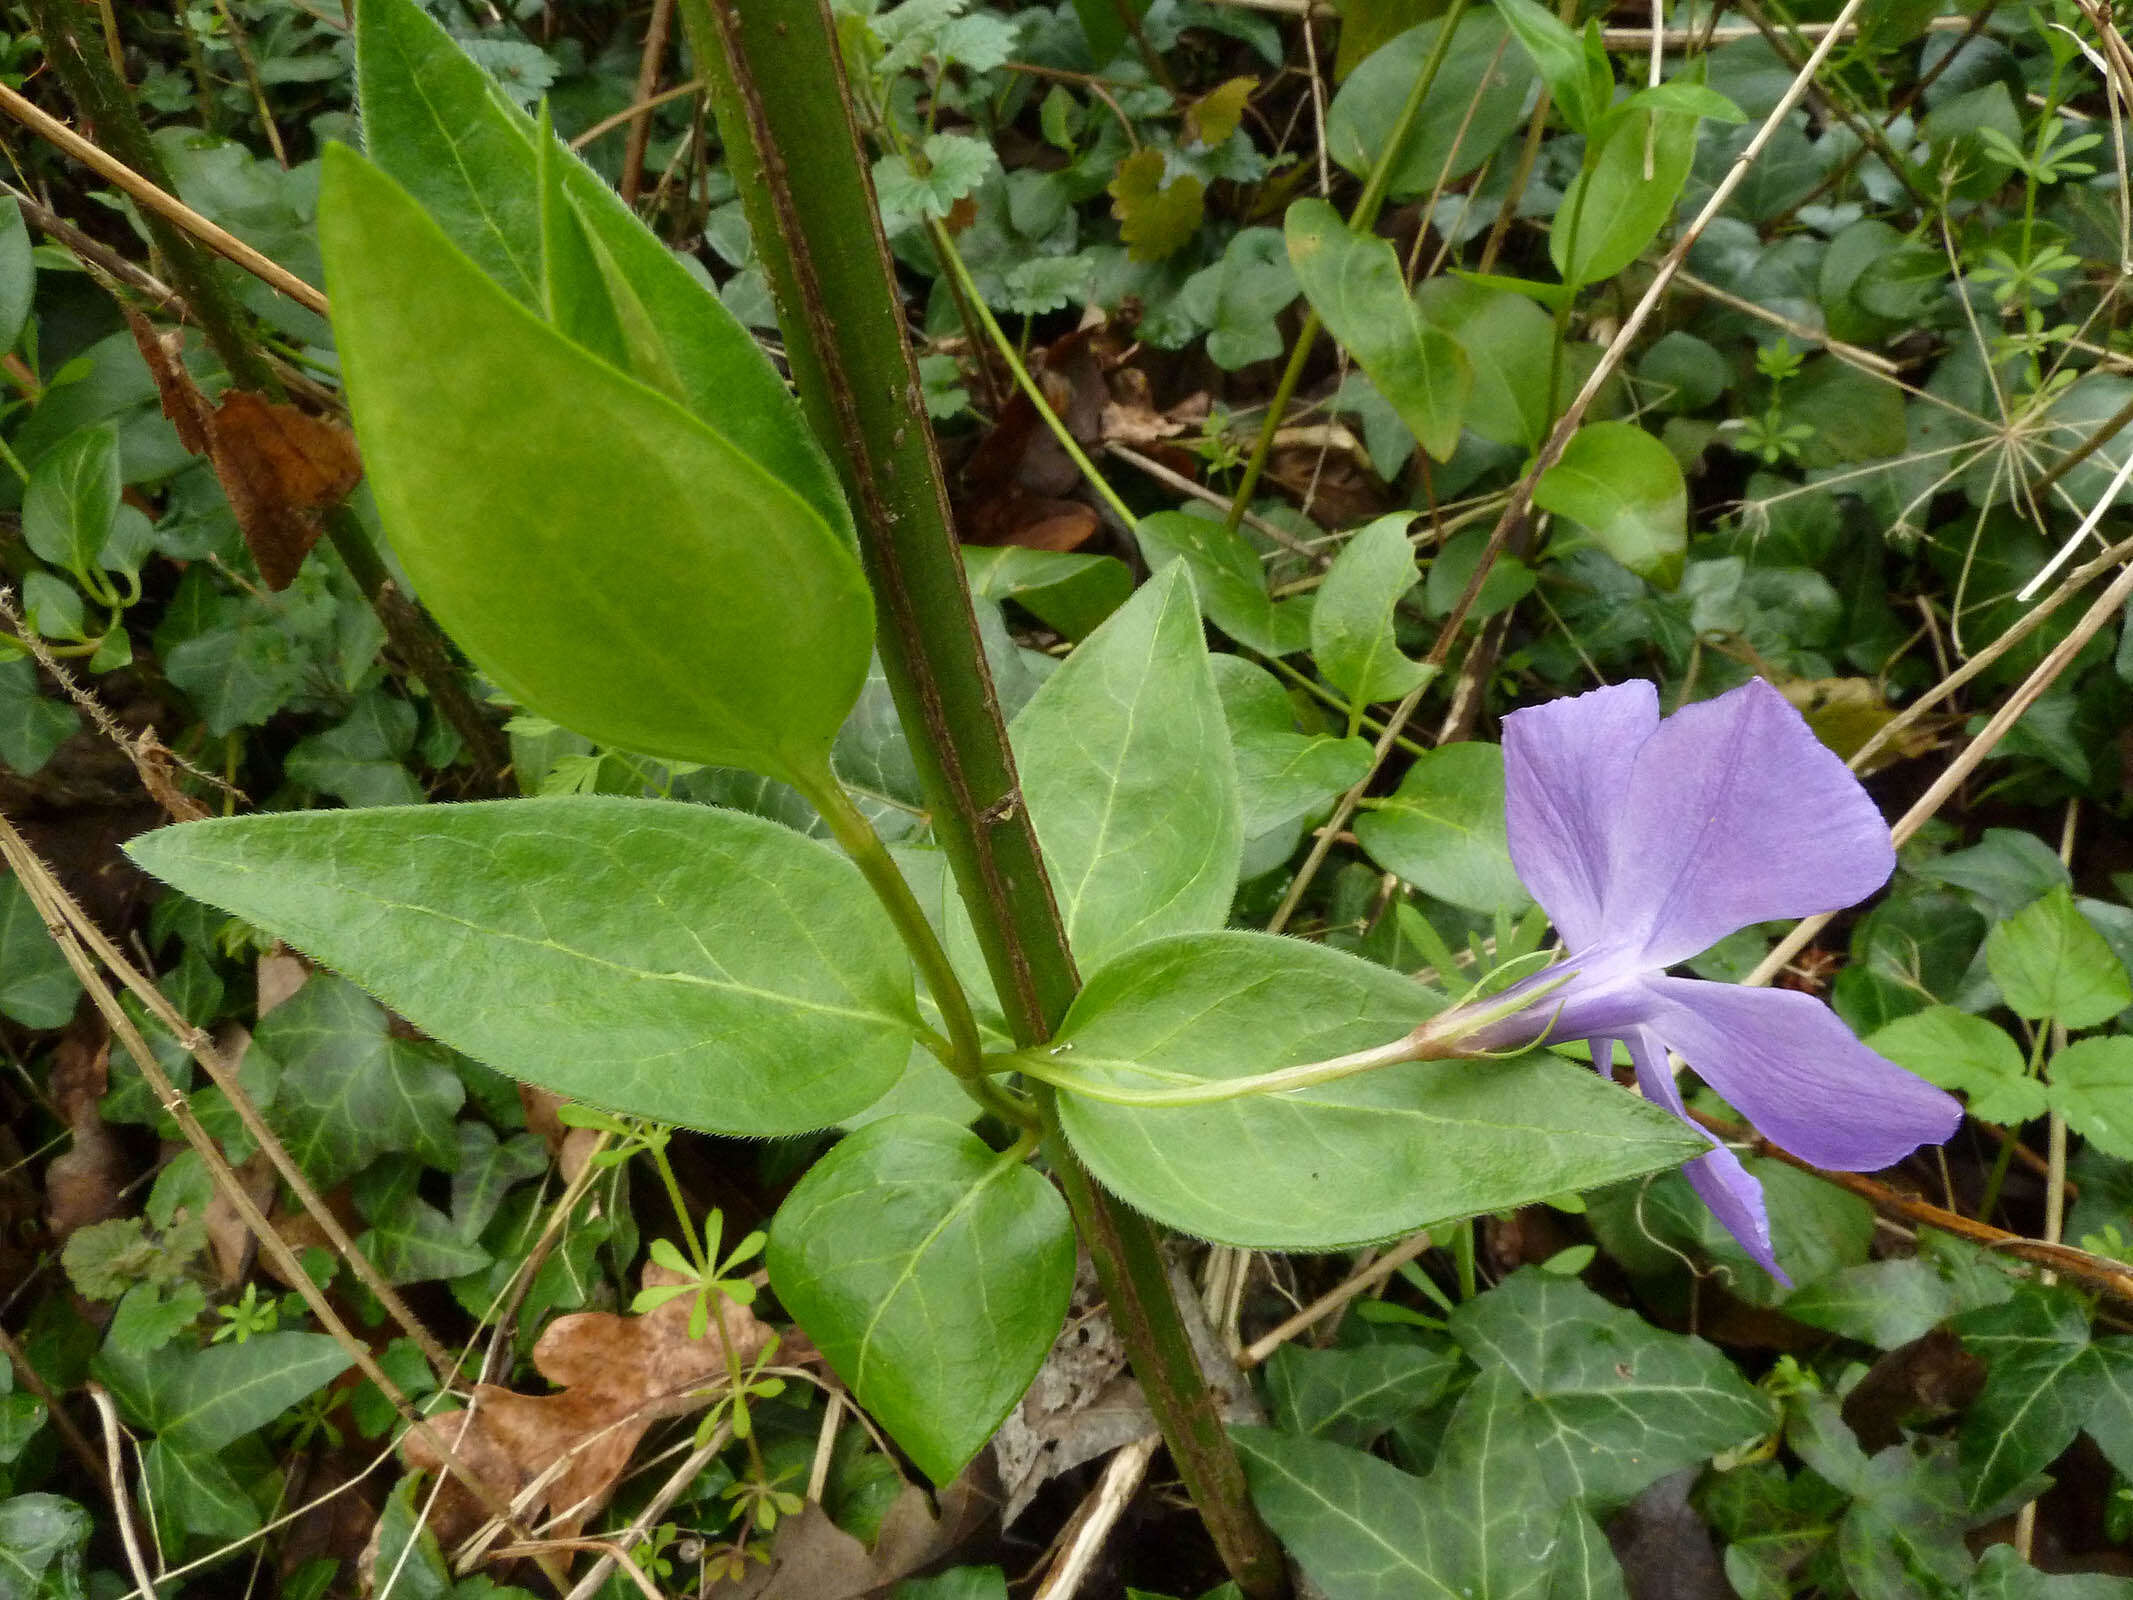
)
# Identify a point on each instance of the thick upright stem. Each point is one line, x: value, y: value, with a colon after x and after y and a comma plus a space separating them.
x: 777, y: 86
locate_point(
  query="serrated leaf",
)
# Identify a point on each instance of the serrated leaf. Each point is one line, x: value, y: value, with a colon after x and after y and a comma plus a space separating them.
x: 1354, y: 283
x: 201, y: 1400
x: 1620, y: 1403
x: 678, y: 962
x: 1625, y: 489
x: 1352, y: 636
x: 2092, y: 1087
x: 2051, y: 963
x: 933, y: 1273
x: 1357, y: 1159
x: 1156, y: 216
x: 1127, y: 773
x: 1958, y: 1051
x: 950, y: 166
x: 1352, y: 1395
x: 673, y: 597
x: 1443, y: 829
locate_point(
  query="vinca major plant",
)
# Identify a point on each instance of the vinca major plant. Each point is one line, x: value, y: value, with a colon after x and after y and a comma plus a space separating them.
x: 608, y: 496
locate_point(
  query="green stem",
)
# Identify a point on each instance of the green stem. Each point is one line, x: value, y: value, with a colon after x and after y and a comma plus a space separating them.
x: 1361, y: 219
x: 1041, y: 1064
x: 967, y: 290
x: 966, y: 1052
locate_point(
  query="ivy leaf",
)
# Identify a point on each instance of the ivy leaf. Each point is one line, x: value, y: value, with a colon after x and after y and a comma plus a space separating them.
x: 1352, y: 637
x: 2051, y: 963
x: 952, y: 165
x: 1619, y: 1404
x: 2045, y: 1380
x: 201, y: 1400
x: 350, y: 1091
x: 1958, y: 1051
x: 2092, y: 1087
x: 37, y: 987
x: 35, y: 1531
x: 911, y: 1239
x: 31, y: 726
x: 203, y: 1496
x: 523, y: 70
x: 1156, y: 218
x: 360, y: 761
x: 1352, y: 1395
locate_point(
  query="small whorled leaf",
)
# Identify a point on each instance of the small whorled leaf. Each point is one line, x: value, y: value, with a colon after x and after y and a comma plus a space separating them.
x: 1126, y: 768
x: 673, y: 961
x: 1358, y: 1159
x: 1354, y: 283
x: 933, y: 1273
x: 609, y: 560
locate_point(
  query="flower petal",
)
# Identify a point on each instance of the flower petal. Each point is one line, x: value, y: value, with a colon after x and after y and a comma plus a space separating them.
x: 1566, y: 771
x: 1733, y: 1195
x: 1796, y: 1072
x: 1736, y: 813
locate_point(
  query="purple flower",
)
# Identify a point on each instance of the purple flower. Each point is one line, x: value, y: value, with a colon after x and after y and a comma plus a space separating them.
x: 1649, y: 841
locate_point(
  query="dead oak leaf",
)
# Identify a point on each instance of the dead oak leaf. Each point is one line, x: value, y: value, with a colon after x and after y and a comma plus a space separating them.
x: 617, y: 1375
x: 280, y: 467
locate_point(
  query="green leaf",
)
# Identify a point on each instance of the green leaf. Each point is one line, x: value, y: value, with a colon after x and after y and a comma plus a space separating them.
x: 194, y: 1493
x: 435, y: 121
x: 31, y: 726
x: 1240, y: 298
x: 2045, y: 1380
x: 349, y: 1091
x: 1355, y: 1394
x: 1228, y: 578
x: 609, y: 560
x: 1357, y: 1159
x: 933, y: 1273
x: 1882, y: 1303
x: 35, y: 1531
x: 668, y: 960
x: 18, y: 274
x: 1478, y: 99
x: 1509, y: 343
x: 1354, y: 283
x: 1157, y: 214
x: 1620, y: 1403
x: 2092, y: 1087
x: 361, y: 760
x: 1584, y: 1567
x: 1443, y: 829
x: 200, y: 1400
x: 2003, y: 1575
x: 1352, y: 637
x: 1483, y: 1526
x: 37, y: 987
x: 73, y: 498
x: 1611, y: 210
x: 1957, y: 1051
x: 1624, y: 488
x: 1066, y: 591
x: 1281, y: 774
x: 1127, y: 773
x: 1575, y: 68
x: 951, y: 166
x: 2051, y: 963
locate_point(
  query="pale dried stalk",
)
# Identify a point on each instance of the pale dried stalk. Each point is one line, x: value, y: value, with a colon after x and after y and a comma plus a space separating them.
x: 647, y: 1519
x: 1333, y: 1299
x: 61, y: 918
x: 168, y: 206
x: 114, y: 1458
x: 1096, y: 1516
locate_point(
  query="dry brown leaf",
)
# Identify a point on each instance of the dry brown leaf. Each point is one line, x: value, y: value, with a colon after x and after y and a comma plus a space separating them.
x: 280, y: 972
x: 230, y: 1241
x: 84, y: 1183
x: 571, y: 1147
x: 280, y: 467
x: 814, y: 1559
x: 617, y: 1375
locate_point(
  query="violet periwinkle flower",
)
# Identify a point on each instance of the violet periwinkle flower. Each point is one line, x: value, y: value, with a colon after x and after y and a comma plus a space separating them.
x: 1646, y: 842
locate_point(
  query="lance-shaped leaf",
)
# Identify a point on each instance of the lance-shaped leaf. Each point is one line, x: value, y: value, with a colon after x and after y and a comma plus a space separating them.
x: 933, y: 1273
x: 1481, y: 93
x: 677, y: 962
x: 1360, y: 1158
x: 608, y: 559
x: 436, y: 122
x: 1617, y: 204
x: 1353, y: 282
x: 1127, y: 771
x: 1624, y: 488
